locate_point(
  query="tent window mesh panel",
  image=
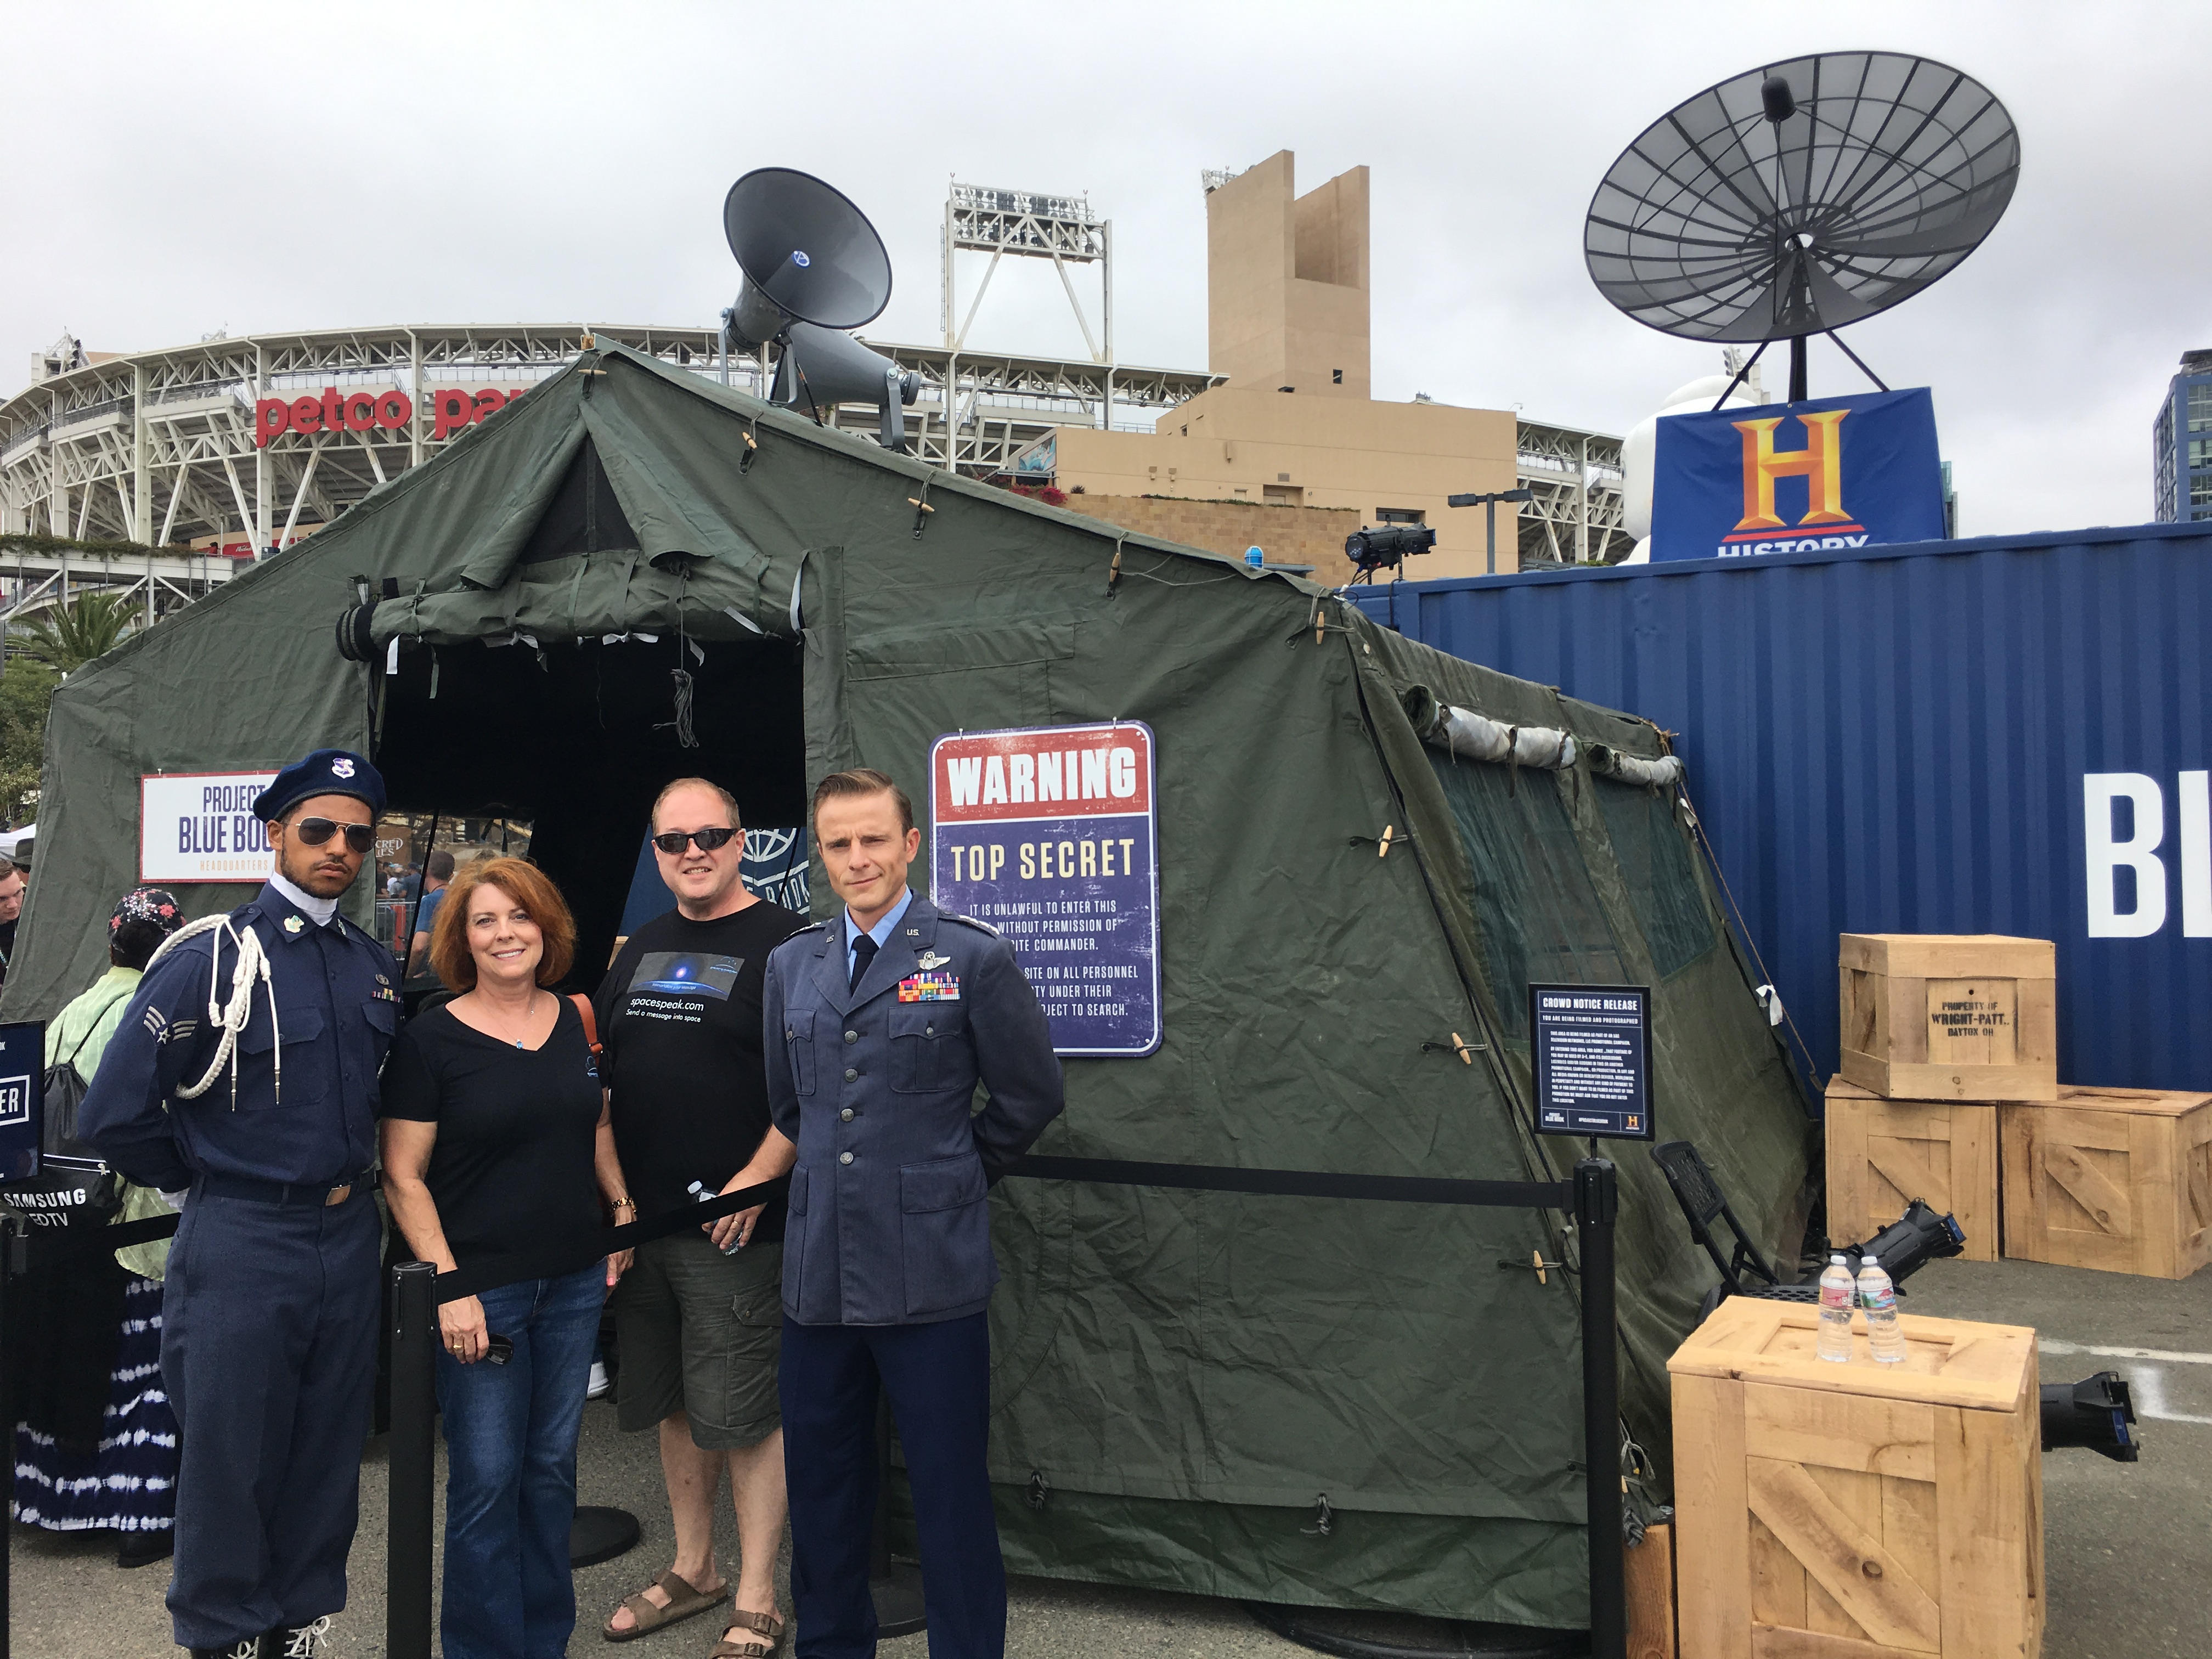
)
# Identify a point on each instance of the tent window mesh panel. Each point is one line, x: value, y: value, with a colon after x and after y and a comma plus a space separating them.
x: 583, y: 516
x: 1662, y: 882
x: 1540, y: 913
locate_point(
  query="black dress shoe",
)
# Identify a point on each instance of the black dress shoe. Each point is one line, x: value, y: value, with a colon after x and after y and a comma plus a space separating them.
x: 297, y: 1642
x: 143, y: 1549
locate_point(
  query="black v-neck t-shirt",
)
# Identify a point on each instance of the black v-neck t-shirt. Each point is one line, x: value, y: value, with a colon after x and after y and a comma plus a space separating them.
x: 680, y: 1015
x: 512, y: 1169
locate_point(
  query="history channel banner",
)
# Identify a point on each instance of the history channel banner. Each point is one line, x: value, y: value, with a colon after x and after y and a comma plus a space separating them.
x: 1827, y: 474
x: 199, y: 826
x: 1050, y: 835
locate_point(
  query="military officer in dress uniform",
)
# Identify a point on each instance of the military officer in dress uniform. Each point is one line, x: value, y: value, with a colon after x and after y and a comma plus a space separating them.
x: 243, y: 1076
x: 879, y: 1024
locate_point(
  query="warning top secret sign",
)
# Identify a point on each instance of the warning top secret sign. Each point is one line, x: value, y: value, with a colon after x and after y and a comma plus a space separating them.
x: 1048, y: 833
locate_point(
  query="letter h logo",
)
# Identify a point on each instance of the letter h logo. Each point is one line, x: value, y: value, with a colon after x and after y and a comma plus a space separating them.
x: 1820, y: 463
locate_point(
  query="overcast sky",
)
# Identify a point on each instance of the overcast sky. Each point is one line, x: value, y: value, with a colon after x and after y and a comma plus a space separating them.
x: 176, y: 169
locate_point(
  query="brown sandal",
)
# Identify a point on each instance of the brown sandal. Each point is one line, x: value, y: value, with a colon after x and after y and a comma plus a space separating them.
x: 768, y: 1624
x: 684, y: 1602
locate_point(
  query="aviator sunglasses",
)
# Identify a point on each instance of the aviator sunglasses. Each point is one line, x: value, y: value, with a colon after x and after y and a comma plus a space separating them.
x: 710, y: 839
x: 314, y: 832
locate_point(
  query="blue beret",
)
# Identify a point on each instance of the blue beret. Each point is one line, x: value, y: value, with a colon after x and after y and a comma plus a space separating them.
x: 325, y: 772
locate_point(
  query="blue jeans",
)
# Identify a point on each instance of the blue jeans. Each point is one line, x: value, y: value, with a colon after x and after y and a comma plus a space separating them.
x: 511, y: 1470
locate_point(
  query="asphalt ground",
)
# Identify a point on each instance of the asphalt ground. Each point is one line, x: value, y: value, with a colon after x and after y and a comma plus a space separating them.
x: 2128, y: 1547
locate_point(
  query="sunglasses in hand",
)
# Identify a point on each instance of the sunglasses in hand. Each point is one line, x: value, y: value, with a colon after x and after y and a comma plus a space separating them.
x: 314, y: 832
x: 709, y: 840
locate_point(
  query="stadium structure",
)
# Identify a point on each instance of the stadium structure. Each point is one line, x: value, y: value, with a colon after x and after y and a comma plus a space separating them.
x: 230, y: 448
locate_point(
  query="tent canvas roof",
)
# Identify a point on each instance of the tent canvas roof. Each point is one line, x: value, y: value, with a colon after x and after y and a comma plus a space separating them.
x: 1186, y: 1370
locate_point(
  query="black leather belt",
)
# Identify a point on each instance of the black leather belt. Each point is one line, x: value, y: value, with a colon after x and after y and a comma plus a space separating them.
x: 320, y: 1193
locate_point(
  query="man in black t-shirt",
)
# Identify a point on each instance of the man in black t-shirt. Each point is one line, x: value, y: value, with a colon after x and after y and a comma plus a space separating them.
x: 700, y: 1330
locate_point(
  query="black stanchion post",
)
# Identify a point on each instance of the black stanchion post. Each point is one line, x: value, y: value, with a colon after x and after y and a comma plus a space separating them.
x: 13, y: 1251
x: 1597, y: 1201
x: 413, y: 1461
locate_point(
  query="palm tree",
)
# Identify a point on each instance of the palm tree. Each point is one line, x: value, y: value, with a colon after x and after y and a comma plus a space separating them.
x: 71, y: 636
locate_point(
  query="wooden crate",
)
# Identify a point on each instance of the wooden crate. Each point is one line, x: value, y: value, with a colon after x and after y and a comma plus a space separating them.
x: 1882, y: 1154
x: 2118, y: 1179
x: 1650, y: 1576
x: 1826, y: 1511
x: 1950, y: 1016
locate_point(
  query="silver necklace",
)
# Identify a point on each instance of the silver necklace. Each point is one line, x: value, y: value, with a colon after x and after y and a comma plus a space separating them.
x: 526, y: 1013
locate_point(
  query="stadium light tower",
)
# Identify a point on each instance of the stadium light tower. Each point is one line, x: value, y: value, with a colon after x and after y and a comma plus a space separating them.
x: 1061, y: 228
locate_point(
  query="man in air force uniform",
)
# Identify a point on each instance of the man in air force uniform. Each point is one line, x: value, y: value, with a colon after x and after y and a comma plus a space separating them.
x: 269, y: 1313
x: 879, y: 1025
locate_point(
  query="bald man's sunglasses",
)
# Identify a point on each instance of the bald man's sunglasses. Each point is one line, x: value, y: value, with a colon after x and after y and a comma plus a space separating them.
x: 314, y: 832
x: 709, y: 840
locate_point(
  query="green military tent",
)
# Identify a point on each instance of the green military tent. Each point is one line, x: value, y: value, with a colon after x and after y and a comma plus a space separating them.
x: 1180, y: 1377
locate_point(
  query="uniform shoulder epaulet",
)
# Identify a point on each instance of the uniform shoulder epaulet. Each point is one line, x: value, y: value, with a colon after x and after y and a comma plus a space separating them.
x: 811, y: 927
x: 980, y: 926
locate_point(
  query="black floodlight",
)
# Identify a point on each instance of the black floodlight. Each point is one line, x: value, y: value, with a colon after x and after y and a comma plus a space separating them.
x: 1915, y: 1238
x: 2096, y: 1413
x: 1386, y: 548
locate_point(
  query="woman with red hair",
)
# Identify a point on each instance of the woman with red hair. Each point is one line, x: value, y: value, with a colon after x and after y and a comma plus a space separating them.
x: 496, y: 1143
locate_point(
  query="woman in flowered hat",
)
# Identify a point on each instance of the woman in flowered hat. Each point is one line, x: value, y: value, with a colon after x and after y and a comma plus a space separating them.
x: 75, y: 1471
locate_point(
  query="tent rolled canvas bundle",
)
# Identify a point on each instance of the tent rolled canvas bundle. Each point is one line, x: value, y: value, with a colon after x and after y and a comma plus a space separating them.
x: 1180, y: 1377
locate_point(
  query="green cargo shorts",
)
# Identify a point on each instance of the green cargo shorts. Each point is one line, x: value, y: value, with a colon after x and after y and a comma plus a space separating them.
x: 701, y: 1332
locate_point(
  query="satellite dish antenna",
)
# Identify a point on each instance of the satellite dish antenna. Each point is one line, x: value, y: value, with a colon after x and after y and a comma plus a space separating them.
x: 1800, y: 196
x: 813, y: 269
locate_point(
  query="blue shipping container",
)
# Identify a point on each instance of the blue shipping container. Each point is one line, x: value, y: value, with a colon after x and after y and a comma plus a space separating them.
x: 2009, y: 735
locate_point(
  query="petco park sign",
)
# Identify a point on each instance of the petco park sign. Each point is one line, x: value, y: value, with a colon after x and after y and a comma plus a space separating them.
x: 451, y: 407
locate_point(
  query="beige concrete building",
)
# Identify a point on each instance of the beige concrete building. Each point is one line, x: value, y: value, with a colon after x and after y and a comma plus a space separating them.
x: 1295, y: 427
x: 1286, y: 282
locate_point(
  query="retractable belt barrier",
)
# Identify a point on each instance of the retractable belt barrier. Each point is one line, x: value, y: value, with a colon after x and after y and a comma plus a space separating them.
x: 1591, y: 1197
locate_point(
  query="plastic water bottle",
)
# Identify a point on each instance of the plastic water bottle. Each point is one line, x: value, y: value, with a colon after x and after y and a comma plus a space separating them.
x: 700, y: 1194
x: 1837, y: 1293
x: 1879, y: 1298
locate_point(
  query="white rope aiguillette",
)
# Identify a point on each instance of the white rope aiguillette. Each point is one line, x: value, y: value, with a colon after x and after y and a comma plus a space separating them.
x: 231, y: 1017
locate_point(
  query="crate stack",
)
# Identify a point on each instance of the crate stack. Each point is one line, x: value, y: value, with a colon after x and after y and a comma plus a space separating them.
x: 1940, y: 1032
x: 1948, y: 1090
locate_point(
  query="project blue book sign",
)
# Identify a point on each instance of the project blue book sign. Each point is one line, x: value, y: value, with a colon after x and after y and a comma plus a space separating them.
x: 1050, y: 834
x: 1826, y: 474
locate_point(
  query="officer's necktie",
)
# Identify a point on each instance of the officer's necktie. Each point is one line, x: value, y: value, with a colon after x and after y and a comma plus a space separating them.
x: 864, y: 952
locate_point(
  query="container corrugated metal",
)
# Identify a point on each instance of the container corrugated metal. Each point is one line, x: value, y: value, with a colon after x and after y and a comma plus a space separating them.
x: 1896, y: 741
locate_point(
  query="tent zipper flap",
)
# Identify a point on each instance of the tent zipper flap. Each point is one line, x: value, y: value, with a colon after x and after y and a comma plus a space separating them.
x: 670, y: 512
x: 491, y: 560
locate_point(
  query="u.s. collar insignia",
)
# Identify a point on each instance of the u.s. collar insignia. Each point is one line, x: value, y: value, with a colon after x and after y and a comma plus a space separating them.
x: 293, y: 924
x: 929, y: 959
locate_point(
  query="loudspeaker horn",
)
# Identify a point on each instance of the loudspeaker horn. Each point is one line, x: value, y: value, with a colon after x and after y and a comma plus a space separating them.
x: 809, y: 252
x: 821, y: 366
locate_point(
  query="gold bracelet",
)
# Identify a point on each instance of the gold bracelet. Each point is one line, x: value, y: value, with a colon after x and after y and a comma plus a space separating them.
x: 629, y: 1204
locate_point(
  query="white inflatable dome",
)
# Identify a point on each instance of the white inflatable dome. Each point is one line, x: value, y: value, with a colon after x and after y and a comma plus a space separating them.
x: 1639, y: 449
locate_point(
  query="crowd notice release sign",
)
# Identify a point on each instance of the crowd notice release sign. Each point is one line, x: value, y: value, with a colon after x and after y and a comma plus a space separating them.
x: 199, y: 826
x: 1049, y: 832
x: 1592, y: 1046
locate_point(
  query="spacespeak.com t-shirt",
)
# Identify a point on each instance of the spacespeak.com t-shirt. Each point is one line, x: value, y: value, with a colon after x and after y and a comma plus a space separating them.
x: 679, y: 1013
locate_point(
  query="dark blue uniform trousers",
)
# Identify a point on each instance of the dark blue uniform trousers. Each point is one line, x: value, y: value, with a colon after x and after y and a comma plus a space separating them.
x: 269, y: 1323
x: 938, y: 1378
